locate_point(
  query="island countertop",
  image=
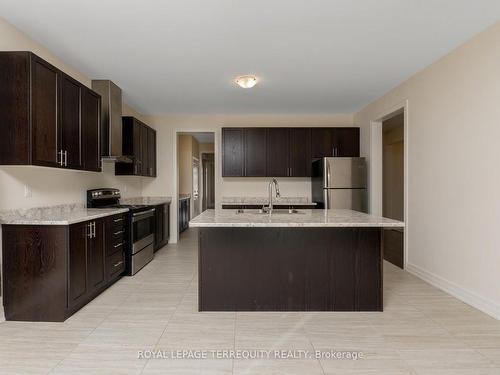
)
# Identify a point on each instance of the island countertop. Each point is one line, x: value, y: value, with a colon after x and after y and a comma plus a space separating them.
x: 281, y: 218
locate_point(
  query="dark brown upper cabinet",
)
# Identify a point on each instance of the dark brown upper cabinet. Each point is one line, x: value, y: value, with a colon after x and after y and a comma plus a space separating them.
x: 300, y: 152
x: 152, y: 152
x: 91, y: 120
x: 41, y: 114
x: 71, y: 125
x: 289, y: 152
x: 340, y: 142
x: 232, y: 152
x: 283, y: 152
x: 139, y: 143
x: 255, y: 148
x: 278, y: 149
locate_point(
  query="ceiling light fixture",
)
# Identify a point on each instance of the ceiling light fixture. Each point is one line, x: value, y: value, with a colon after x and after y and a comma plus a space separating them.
x: 247, y: 81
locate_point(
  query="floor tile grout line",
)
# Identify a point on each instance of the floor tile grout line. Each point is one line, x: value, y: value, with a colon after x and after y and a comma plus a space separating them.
x: 169, y: 320
x: 81, y: 342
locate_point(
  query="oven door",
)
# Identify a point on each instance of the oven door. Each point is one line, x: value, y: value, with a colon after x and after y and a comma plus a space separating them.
x: 143, y: 229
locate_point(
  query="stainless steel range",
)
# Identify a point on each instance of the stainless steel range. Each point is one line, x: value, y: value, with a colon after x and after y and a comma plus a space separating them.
x: 141, y: 227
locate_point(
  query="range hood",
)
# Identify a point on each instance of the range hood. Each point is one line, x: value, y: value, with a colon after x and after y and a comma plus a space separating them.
x: 111, y: 121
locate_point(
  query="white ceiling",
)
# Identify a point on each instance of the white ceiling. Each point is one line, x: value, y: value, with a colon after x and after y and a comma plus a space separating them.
x: 313, y: 56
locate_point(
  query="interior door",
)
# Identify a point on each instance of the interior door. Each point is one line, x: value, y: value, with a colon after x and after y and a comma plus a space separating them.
x: 208, y: 166
x: 91, y: 112
x: 196, y: 187
x: 45, y: 121
x: 71, y: 129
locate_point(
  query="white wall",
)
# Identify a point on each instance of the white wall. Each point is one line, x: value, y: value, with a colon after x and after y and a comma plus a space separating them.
x: 454, y: 174
x: 166, y: 128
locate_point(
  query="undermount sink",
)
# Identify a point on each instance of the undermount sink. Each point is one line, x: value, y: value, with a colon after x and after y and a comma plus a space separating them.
x: 275, y: 211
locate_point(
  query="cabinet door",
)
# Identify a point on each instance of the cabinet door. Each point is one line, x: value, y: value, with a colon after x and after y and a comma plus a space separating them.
x: 152, y: 152
x: 96, y: 258
x: 70, y: 130
x: 321, y: 142
x: 137, y: 147
x: 77, y: 274
x: 144, y: 151
x: 44, y: 115
x: 278, y: 151
x: 255, y: 152
x: 91, y: 112
x: 300, y: 152
x: 346, y: 141
x: 166, y: 223
x: 159, y: 226
x: 232, y: 152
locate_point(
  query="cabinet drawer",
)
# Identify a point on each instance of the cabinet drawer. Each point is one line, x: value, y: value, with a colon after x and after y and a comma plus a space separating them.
x: 115, y: 265
x: 115, y: 243
x: 117, y: 221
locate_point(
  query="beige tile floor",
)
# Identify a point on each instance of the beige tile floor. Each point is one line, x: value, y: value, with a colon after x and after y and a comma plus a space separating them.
x: 423, y: 331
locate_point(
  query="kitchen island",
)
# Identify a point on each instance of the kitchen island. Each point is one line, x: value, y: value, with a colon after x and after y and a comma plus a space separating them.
x: 308, y: 260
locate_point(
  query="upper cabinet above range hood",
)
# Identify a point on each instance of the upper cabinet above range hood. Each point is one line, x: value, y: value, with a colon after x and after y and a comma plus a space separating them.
x: 111, y: 121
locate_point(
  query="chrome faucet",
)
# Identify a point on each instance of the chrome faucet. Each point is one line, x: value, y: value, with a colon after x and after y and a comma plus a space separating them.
x: 270, y: 188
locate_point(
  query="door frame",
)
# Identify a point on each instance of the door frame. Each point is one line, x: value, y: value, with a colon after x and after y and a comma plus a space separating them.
x: 376, y: 161
x: 174, y: 235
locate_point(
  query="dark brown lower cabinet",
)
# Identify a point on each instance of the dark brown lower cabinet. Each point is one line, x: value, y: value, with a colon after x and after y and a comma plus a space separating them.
x: 290, y: 269
x: 162, y: 232
x: 184, y: 214
x: 51, y: 271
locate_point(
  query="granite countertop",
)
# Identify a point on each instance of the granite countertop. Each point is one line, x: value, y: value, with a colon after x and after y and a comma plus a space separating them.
x: 56, y: 215
x: 281, y: 218
x: 146, y: 200
x: 296, y: 201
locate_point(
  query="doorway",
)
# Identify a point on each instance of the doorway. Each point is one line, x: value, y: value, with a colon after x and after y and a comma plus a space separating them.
x: 393, y: 186
x: 388, y: 177
x: 196, y: 177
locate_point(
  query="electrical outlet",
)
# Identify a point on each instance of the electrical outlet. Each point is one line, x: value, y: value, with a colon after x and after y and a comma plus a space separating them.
x: 27, y: 191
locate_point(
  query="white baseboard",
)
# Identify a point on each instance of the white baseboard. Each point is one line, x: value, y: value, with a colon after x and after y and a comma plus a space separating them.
x: 485, y: 305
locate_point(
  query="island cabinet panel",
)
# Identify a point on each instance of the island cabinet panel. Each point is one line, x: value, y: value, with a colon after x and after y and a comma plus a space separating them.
x: 290, y: 269
x: 51, y: 271
x: 255, y: 148
x: 42, y: 111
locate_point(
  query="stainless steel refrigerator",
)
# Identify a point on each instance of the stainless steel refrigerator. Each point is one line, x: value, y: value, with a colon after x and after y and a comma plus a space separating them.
x: 339, y: 182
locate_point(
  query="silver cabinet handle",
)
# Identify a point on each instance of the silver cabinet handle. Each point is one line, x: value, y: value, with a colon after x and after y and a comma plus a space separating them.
x: 93, y: 229
x: 117, y: 220
x: 120, y: 244
x: 66, y: 158
x: 89, y: 233
x: 60, y: 153
x: 119, y: 232
x: 118, y: 264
